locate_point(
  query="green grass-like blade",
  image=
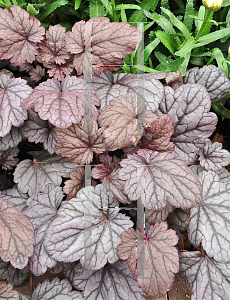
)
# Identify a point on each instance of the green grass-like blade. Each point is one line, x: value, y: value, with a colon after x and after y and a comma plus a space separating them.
x: 145, y: 5
x: 51, y: 8
x: 189, y: 11
x: 169, y: 42
x: 96, y: 9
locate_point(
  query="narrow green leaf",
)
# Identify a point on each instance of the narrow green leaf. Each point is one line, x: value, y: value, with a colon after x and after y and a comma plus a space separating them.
x: 108, y: 7
x: 220, y: 60
x: 150, y: 63
x: 123, y: 16
x: 139, y: 14
x: 212, y: 37
x: 163, y: 59
x: 77, y: 4
x: 228, y: 17
x: 148, y: 25
x: 96, y: 9
x: 150, y: 47
x: 165, y: 4
x: 167, y: 40
x: 161, y: 21
x: 180, y: 4
x: 147, y: 69
x: 177, y: 23
x: 31, y: 10
x: 200, y: 18
x: 183, y: 67
x: 188, y: 46
x: 7, y: 4
x: 172, y: 66
x: 189, y: 11
x: 51, y: 8
x: 221, y: 110
x: 38, y: 5
x: 127, y: 6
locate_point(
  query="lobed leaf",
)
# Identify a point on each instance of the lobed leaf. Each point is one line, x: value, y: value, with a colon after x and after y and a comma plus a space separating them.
x: 12, y: 92
x: 88, y: 228
x: 12, y: 139
x: 7, y: 293
x: 76, y: 182
x: 160, y: 179
x: 153, y: 216
x: 100, y: 45
x: 156, y: 255
x: 19, y: 34
x: 12, y: 275
x: 17, y: 235
x: 15, y: 197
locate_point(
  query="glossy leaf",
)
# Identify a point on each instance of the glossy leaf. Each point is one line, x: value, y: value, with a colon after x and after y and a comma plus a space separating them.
x: 88, y: 228
x: 157, y: 256
x: 160, y: 179
x: 19, y: 34
x: 12, y: 92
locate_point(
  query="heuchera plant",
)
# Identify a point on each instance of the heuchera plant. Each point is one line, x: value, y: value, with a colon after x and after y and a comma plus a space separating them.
x: 146, y: 138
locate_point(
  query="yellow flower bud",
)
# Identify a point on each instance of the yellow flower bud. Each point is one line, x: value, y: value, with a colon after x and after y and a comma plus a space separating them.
x: 213, y: 4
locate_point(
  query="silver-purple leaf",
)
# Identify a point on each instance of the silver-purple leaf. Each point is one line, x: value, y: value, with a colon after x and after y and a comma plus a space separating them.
x: 9, y: 158
x: 100, y: 45
x: 17, y: 232
x: 205, y: 278
x: 12, y: 92
x: 33, y: 175
x: 40, y: 131
x: 12, y: 275
x: 24, y: 297
x: 37, y: 73
x: 224, y: 175
x: 41, y: 211
x: 12, y: 139
x: 6, y: 292
x: 88, y: 228
x: 210, y: 222
x: 212, y: 78
x: 179, y: 219
x: 56, y: 290
x: 52, y: 48
x: 158, y: 216
x: 19, y: 34
x: 213, y: 157
x: 113, y: 281
x: 147, y: 88
x: 189, y: 107
x: 15, y: 197
x: 160, y: 179
x: 63, y: 104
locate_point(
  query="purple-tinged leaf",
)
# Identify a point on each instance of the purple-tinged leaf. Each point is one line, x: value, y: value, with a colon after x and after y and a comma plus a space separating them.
x: 189, y: 107
x: 33, y: 175
x: 12, y: 275
x: 147, y: 88
x: 157, y: 257
x: 56, y: 290
x: 12, y: 92
x: 131, y: 149
x: 179, y: 219
x: 12, y: 139
x: 173, y: 79
x: 88, y: 228
x: 53, y: 47
x: 224, y: 175
x: 19, y: 34
x: 7, y: 72
x: 210, y: 222
x: 26, y: 67
x: 61, y: 103
x: 76, y: 182
x: 153, y: 216
x: 117, y: 280
x: 122, y: 117
x: 41, y: 211
x: 9, y: 159
x: 160, y: 179
x: 6, y: 292
x: 15, y: 197
x: 24, y: 297
x: 37, y: 73
x: 157, y: 135
x: 103, y: 171
x: 17, y: 232
x: 60, y: 266
x: 101, y: 45
x: 40, y: 131
x: 212, y: 78
x: 59, y: 72
x: 213, y: 157
x: 205, y: 278
x: 79, y: 141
